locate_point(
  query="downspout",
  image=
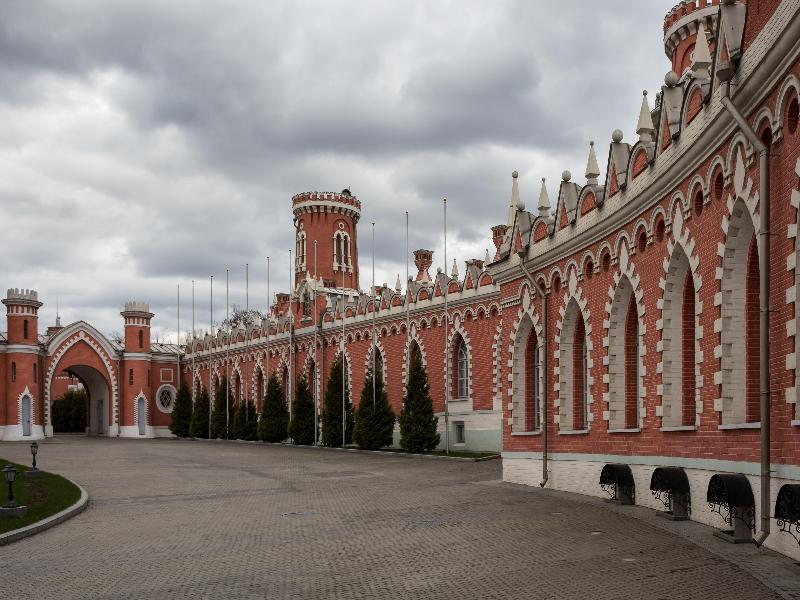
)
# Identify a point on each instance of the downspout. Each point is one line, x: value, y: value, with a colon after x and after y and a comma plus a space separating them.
x: 764, y: 309
x: 540, y: 292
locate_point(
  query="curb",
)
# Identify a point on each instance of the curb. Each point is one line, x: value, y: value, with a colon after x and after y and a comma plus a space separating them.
x: 355, y: 450
x: 23, y: 532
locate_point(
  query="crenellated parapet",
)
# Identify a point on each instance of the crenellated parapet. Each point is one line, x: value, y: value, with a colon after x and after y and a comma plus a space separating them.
x: 343, y: 202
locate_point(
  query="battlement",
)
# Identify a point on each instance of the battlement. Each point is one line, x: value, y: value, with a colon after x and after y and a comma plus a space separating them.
x: 684, y: 8
x: 136, y: 307
x: 343, y: 198
x: 22, y: 294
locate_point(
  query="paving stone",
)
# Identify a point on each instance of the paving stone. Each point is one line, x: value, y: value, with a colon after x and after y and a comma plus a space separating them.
x: 183, y: 519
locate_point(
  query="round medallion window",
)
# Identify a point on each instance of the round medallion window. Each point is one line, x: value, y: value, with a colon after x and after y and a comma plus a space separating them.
x: 165, y: 399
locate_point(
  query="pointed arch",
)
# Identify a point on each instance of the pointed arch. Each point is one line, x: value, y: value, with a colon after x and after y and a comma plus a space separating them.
x: 413, y: 345
x: 573, y: 333
x: 459, y: 354
x: 625, y: 342
x: 739, y: 319
x: 380, y: 359
x: 679, y: 347
x: 527, y: 376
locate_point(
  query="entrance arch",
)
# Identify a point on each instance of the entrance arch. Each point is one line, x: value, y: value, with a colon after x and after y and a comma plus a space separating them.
x: 98, y: 394
x: 83, y: 351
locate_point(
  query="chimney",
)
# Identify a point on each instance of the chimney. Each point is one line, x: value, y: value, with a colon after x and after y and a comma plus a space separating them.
x: 498, y: 233
x: 423, y: 259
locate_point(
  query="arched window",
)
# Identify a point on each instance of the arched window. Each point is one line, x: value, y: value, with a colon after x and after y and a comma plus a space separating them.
x: 624, y: 359
x: 306, y: 305
x: 260, y: 389
x: 678, y: 343
x: 25, y: 329
x: 141, y: 339
x: 751, y: 336
x: 579, y: 392
x: 740, y: 338
x: 632, y: 366
x: 461, y: 371
x: 532, y: 382
x: 573, y: 370
x: 285, y: 382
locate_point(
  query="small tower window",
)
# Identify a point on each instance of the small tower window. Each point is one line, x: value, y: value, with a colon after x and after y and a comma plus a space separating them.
x: 130, y: 376
x: 35, y: 374
x: 25, y: 329
x: 13, y: 371
x: 141, y: 339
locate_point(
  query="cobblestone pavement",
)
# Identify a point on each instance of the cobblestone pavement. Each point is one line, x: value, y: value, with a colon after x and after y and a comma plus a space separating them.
x: 180, y: 519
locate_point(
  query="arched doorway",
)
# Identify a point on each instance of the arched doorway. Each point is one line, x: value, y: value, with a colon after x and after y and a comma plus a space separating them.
x: 85, y: 354
x: 98, y: 399
x: 26, y: 415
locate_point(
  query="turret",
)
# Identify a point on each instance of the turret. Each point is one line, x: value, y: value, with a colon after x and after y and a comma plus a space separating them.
x: 330, y: 219
x: 681, y: 26
x: 137, y: 317
x: 22, y: 314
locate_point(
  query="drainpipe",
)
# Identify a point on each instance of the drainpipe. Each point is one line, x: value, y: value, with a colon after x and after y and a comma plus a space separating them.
x: 763, y: 275
x: 542, y: 295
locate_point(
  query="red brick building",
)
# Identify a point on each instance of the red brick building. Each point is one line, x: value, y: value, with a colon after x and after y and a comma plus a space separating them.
x: 638, y: 336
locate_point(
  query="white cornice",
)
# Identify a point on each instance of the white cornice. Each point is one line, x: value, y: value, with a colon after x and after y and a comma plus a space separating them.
x: 762, y: 68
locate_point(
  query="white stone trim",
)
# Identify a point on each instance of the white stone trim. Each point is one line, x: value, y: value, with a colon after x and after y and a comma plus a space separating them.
x: 161, y: 388
x: 572, y: 302
x: 82, y: 332
x: 527, y: 319
x: 741, y: 216
x: 614, y: 325
x: 682, y: 260
x: 792, y: 295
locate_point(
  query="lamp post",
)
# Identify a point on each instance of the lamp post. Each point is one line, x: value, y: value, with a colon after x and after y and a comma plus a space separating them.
x: 10, y: 474
x: 34, y: 471
x: 11, y: 508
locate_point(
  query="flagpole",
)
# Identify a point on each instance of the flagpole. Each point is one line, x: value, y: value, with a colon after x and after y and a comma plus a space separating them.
x: 210, y: 365
x: 314, y: 391
x: 194, y: 374
x: 289, y: 381
x: 227, y: 353
x: 178, y: 349
x: 408, y: 312
x: 269, y: 313
x: 374, y: 311
x: 247, y: 341
x: 344, y: 375
x: 446, y: 349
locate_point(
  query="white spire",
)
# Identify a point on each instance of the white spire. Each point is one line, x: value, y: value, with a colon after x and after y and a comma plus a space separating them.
x: 592, y: 168
x: 701, y: 57
x: 486, y: 258
x: 454, y: 273
x: 645, y: 127
x: 544, y: 201
x: 397, y: 286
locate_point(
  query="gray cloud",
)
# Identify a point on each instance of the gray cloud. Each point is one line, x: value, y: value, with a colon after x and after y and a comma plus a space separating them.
x: 149, y: 143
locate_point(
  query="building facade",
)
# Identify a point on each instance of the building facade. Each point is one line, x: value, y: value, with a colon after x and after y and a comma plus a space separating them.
x: 636, y: 335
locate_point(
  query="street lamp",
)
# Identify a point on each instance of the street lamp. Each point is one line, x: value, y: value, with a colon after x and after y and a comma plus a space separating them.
x: 10, y: 474
x: 34, y: 471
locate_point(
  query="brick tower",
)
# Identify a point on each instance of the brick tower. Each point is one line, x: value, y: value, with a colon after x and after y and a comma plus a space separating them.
x: 136, y: 379
x: 331, y: 220
x: 24, y: 408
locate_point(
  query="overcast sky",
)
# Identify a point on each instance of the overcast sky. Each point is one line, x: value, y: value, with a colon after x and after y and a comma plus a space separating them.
x: 144, y: 144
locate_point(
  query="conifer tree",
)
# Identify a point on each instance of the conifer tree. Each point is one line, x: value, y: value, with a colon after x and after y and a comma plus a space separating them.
x: 219, y: 418
x: 374, y: 418
x: 417, y: 421
x: 301, y: 429
x: 199, y: 426
x: 251, y: 423
x: 181, y: 419
x: 332, y: 415
x: 238, y: 416
x: 274, y: 421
